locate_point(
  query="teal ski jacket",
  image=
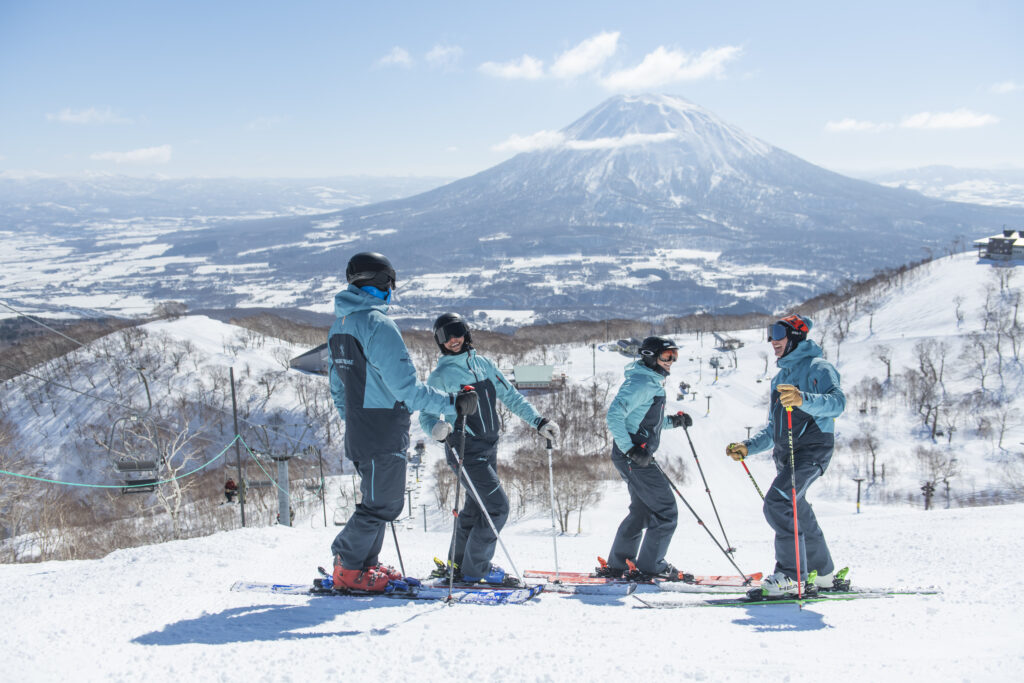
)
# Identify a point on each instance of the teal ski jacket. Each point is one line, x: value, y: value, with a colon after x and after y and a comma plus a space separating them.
x: 469, y: 368
x: 373, y: 380
x: 637, y: 413
x: 814, y: 421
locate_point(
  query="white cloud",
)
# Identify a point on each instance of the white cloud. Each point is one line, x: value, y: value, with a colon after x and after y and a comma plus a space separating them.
x: 92, y: 115
x: 625, y: 141
x: 587, y: 56
x: 544, y: 139
x: 663, y: 67
x: 550, y: 139
x: 526, y: 67
x: 147, y: 155
x: 960, y: 118
x: 853, y: 125
x: 444, y: 56
x: 397, y: 57
x: 1005, y: 88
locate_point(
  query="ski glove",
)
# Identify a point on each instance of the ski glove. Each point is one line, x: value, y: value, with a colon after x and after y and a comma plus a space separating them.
x: 736, y: 451
x: 639, y: 456
x: 549, y: 430
x: 790, y: 396
x: 440, y: 431
x: 466, y: 402
x: 681, y: 419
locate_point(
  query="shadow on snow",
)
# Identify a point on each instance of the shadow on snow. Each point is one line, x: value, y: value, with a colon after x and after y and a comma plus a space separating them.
x: 275, y: 622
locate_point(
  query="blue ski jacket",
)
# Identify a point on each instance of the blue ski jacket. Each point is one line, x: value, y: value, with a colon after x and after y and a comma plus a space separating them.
x: 637, y: 413
x: 373, y: 381
x: 483, y: 428
x: 814, y: 421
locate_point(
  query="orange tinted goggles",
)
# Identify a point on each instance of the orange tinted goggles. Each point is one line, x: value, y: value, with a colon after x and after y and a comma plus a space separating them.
x: 669, y: 357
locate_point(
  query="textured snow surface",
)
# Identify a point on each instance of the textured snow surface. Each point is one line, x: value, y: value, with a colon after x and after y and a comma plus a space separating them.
x: 165, y: 612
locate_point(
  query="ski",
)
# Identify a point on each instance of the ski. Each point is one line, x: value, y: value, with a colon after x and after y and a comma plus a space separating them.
x: 616, y: 588
x: 747, y: 601
x: 476, y: 596
x: 688, y: 583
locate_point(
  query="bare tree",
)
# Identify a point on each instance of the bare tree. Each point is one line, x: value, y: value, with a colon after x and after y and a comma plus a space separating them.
x: 884, y: 354
x: 936, y: 465
x: 975, y: 356
x: 958, y: 309
x: 867, y: 442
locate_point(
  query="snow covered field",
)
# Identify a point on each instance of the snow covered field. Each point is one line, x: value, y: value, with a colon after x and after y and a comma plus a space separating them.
x: 165, y: 612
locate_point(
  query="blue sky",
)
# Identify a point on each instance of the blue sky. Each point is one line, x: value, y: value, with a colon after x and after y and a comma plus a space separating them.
x: 314, y: 89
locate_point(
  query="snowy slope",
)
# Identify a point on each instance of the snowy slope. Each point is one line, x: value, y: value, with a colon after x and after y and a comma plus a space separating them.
x: 164, y: 612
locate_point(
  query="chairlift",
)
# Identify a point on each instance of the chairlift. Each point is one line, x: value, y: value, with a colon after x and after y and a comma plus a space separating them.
x: 139, y: 486
x: 120, y: 450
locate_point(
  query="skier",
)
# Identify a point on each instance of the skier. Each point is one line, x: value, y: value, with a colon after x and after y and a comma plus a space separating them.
x: 461, y: 365
x: 635, y: 419
x: 375, y: 389
x: 808, y: 384
x: 230, y: 489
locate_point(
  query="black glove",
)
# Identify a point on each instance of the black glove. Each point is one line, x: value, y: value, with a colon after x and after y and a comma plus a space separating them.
x: 466, y: 402
x: 681, y: 419
x: 639, y: 456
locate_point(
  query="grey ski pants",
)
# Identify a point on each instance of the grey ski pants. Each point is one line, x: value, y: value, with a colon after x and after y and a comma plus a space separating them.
x: 475, y: 543
x: 778, y: 510
x: 382, y: 490
x: 652, y: 506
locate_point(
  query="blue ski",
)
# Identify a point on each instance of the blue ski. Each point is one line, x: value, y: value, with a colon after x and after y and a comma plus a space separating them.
x: 476, y: 596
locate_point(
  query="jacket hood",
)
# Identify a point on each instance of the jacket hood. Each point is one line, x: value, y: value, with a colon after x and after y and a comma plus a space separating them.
x: 638, y: 369
x: 352, y: 299
x: 805, y: 350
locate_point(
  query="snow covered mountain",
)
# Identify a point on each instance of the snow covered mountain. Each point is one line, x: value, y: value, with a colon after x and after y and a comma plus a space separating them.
x: 646, y: 206
x: 973, y: 185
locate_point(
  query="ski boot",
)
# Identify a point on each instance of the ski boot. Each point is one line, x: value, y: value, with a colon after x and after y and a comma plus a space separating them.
x: 605, y: 571
x: 496, y: 576
x: 367, y: 580
x: 441, y: 570
x: 778, y: 586
x: 834, y: 582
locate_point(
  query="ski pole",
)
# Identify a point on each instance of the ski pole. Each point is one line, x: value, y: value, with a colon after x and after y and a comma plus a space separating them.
x: 398, y: 550
x: 460, y: 429
x: 796, y: 527
x: 707, y: 490
x: 753, y: 481
x: 746, y: 579
x: 551, y: 488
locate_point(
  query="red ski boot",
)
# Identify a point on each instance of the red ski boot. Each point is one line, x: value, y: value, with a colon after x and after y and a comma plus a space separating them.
x: 369, y: 579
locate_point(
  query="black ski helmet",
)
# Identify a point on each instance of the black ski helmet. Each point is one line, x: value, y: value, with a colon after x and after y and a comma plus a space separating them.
x: 450, y: 325
x: 652, y: 348
x: 793, y: 327
x: 370, y: 268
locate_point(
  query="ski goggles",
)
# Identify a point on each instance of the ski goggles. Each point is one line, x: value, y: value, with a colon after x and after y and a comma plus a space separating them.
x: 669, y: 357
x: 777, y: 332
x: 453, y: 329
